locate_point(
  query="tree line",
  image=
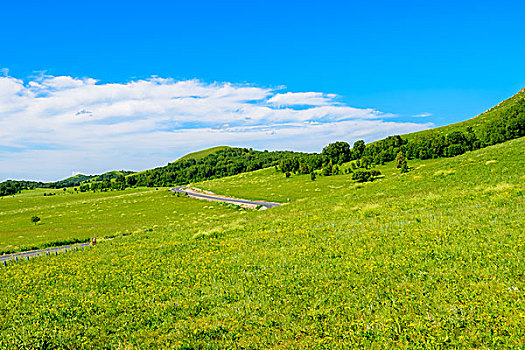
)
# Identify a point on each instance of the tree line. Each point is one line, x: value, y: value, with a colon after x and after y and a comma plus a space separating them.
x: 509, y: 124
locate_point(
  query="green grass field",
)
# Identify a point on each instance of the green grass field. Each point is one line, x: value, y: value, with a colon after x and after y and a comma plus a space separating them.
x: 428, y: 259
x: 69, y: 215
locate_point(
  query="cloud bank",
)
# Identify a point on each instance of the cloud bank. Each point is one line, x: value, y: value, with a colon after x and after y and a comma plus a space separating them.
x: 51, y: 126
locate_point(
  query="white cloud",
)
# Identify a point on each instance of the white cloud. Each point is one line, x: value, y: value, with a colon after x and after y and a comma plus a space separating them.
x: 50, y: 126
x: 302, y: 99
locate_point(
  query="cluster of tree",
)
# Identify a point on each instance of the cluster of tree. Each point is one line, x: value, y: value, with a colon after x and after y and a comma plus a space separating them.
x: 110, y: 180
x: 363, y: 175
x: 111, y: 175
x: 329, y: 161
x: 118, y: 183
x: 225, y: 162
x: 509, y: 124
x: 72, y: 181
x: 11, y: 187
x: 401, y: 162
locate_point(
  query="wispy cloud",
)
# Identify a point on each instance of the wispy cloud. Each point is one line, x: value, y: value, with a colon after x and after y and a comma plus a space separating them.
x: 422, y: 115
x: 53, y: 125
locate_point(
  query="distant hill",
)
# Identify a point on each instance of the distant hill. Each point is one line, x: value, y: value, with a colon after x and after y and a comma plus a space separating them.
x: 72, y: 181
x: 203, y: 153
x: 208, y: 164
x: 190, y: 156
x: 110, y: 175
x: 11, y: 187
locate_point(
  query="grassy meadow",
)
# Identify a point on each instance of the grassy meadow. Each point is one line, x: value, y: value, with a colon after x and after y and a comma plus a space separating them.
x: 430, y: 259
x: 69, y: 215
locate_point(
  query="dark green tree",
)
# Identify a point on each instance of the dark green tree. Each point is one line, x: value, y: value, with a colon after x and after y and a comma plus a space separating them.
x: 338, y: 152
x: 359, y: 148
x: 400, y: 159
x: 35, y: 219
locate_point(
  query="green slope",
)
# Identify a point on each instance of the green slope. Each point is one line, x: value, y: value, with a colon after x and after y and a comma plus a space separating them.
x: 72, y: 181
x: 194, y: 155
x: 110, y: 175
x: 202, y: 153
x: 516, y: 102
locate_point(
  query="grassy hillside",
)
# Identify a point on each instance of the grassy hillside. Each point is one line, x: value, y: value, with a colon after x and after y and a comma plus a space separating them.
x: 72, y: 181
x: 111, y: 175
x: 205, y: 165
x: 203, y: 153
x: 477, y: 123
x: 68, y: 215
x: 427, y: 259
x: 190, y: 156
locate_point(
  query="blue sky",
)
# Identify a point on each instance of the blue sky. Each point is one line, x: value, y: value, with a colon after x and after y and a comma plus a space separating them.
x: 413, y: 62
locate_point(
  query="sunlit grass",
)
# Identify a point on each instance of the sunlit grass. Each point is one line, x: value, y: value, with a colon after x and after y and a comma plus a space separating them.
x: 428, y: 259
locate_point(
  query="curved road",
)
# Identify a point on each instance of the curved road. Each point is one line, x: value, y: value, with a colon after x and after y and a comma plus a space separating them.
x: 182, y: 190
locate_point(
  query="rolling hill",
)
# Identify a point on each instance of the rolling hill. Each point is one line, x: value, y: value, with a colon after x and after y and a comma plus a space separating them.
x: 202, y: 153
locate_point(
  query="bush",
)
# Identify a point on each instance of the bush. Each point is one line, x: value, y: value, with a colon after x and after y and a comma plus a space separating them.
x: 365, y: 175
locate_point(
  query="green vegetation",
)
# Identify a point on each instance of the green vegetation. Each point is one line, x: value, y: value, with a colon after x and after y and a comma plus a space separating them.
x: 11, y: 187
x: 499, y: 124
x: 495, y: 115
x: 203, y: 153
x: 111, y: 175
x: 35, y: 219
x: 220, y: 163
x: 74, y: 216
x: 72, y: 181
x: 427, y: 259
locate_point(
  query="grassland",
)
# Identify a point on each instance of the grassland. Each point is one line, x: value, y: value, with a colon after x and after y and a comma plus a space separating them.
x: 428, y: 259
x: 68, y: 215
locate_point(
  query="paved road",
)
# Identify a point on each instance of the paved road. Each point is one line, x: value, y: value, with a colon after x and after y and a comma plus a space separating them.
x: 224, y: 199
x: 34, y: 253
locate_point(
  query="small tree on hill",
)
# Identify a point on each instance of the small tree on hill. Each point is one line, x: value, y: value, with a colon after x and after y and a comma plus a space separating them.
x: 35, y: 219
x: 366, y: 162
x: 401, y: 160
x: 359, y: 148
